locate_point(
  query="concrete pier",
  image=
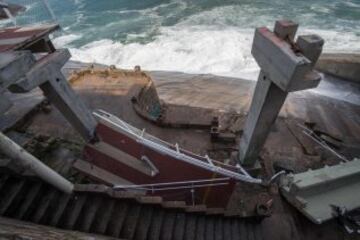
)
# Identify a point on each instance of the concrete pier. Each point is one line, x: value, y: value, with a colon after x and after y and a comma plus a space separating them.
x: 267, y: 101
x: 21, y: 73
x: 286, y: 66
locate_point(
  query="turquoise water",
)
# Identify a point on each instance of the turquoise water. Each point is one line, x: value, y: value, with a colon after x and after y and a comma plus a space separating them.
x: 198, y: 36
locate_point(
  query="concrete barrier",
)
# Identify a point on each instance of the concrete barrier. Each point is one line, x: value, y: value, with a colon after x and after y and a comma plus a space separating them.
x: 342, y: 65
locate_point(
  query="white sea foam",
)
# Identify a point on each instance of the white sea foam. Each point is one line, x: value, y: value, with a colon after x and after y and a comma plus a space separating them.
x: 194, y: 50
x: 65, y: 40
x: 205, y: 42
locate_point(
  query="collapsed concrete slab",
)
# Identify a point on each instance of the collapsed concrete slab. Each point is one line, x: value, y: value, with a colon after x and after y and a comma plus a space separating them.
x: 343, y: 65
x: 317, y: 193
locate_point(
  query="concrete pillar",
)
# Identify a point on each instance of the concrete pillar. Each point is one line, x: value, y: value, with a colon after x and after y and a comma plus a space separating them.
x: 265, y: 107
x: 286, y: 66
x: 20, y: 72
x: 60, y: 94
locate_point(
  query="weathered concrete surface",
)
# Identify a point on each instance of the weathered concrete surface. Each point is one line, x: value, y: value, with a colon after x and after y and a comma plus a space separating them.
x: 266, y: 104
x: 316, y: 192
x: 342, y: 65
x: 13, y: 229
x: 13, y: 66
x: 331, y: 109
x: 23, y: 106
x: 20, y: 73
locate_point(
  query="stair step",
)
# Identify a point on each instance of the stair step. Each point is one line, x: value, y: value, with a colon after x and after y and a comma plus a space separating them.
x: 3, y: 179
x: 215, y: 211
x: 168, y: 225
x: 74, y: 212
x: 103, y: 216
x: 150, y: 200
x: 235, y: 231
x: 156, y: 224
x: 8, y: 196
x: 118, y: 218
x: 88, y: 213
x: 196, y: 209
x: 243, y: 230
x: 132, y: 218
x: 219, y: 233
x: 123, y: 215
x: 63, y: 201
x: 144, y: 223
x: 258, y: 232
x: 227, y: 229
x: 17, y: 201
x: 43, y: 205
x: 174, y: 204
x: 251, y: 233
x: 200, y: 229
x: 209, y: 228
x: 179, y: 230
x: 190, y: 228
x: 29, y: 200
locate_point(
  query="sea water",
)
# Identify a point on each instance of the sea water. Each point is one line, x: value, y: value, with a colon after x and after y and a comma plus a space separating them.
x: 194, y: 36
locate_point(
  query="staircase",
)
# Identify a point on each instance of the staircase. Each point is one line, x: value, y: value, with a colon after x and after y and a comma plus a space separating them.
x: 96, y: 209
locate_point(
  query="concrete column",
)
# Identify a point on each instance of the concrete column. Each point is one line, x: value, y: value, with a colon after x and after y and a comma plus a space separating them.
x: 60, y: 93
x: 286, y: 66
x: 267, y: 102
x: 20, y: 72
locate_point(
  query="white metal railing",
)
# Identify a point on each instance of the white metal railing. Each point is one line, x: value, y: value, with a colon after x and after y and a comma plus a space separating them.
x: 140, y: 137
x: 155, y: 187
x: 180, y: 185
x: 311, y: 134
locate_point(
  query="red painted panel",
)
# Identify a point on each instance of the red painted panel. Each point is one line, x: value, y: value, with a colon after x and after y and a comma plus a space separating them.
x: 170, y: 168
x: 31, y: 35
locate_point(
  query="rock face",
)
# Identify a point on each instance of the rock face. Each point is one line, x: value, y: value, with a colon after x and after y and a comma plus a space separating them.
x: 343, y: 65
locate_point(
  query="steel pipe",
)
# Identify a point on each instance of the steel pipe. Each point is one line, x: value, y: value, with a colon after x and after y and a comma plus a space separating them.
x: 29, y: 162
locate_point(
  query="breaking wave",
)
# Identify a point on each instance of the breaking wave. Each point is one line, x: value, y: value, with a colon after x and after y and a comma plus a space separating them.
x: 216, y: 41
x: 224, y: 52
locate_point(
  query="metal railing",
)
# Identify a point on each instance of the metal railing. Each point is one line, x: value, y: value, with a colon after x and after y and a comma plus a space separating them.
x: 191, y: 184
x: 237, y: 173
x: 311, y: 134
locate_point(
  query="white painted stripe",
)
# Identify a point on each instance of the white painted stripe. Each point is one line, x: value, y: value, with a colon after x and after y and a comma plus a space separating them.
x: 99, y: 173
x: 122, y: 157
